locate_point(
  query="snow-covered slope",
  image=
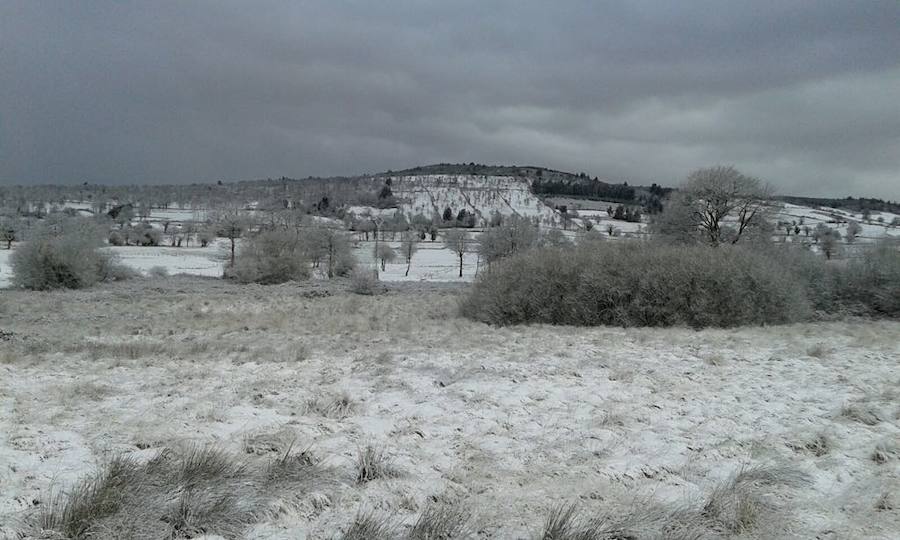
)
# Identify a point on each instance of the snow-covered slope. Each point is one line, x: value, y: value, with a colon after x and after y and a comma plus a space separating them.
x: 879, y: 225
x: 483, y: 195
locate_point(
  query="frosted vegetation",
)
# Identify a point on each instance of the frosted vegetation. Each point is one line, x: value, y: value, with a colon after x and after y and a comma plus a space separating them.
x: 705, y: 363
x: 184, y: 407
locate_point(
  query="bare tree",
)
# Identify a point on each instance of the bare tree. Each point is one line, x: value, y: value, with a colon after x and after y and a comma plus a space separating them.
x: 408, y: 247
x: 231, y: 223
x: 455, y: 241
x: 709, y: 197
x: 8, y: 231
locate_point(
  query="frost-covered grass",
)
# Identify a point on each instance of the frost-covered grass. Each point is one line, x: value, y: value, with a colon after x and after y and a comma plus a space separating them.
x: 508, y: 424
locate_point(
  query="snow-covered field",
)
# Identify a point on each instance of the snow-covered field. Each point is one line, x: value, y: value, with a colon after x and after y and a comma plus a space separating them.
x: 5, y: 268
x: 432, y: 261
x: 871, y: 229
x: 507, y: 422
x: 195, y: 261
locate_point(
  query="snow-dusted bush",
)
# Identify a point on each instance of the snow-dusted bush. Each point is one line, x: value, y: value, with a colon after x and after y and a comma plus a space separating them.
x: 158, y: 272
x: 64, y: 254
x: 516, y: 234
x: 364, y: 282
x: 116, y: 238
x: 870, y: 284
x: 639, y: 285
x: 271, y: 257
x: 329, y: 247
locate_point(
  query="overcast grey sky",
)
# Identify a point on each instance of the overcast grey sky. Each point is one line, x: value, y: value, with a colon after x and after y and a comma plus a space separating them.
x: 804, y: 94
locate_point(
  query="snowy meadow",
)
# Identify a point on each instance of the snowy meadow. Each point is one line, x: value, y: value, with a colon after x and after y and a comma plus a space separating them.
x: 394, y: 416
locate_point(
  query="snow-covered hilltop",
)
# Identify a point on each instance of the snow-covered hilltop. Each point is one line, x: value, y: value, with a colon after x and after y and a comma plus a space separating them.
x: 480, y: 195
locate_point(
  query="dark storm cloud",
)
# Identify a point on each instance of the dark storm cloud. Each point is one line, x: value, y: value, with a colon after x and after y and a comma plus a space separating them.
x: 803, y: 94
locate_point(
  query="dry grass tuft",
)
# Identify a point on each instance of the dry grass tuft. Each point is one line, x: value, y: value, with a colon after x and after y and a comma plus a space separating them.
x: 862, y: 413
x: 885, y: 502
x: 91, y: 501
x: 178, y: 494
x: 372, y: 463
x: 368, y: 527
x: 442, y: 522
x: 293, y: 467
x: 564, y: 523
x: 817, y: 445
x: 739, y: 504
x: 885, y: 451
x: 268, y: 442
x: 337, y: 406
x: 818, y: 351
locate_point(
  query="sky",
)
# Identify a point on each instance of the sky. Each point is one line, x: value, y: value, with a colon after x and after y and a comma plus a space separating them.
x: 802, y: 94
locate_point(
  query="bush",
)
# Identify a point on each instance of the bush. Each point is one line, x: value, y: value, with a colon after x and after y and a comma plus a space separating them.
x: 515, y: 235
x: 329, y: 248
x: 365, y: 282
x: 64, y: 254
x: 271, y: 257
x: 158, y: 272
x: 639, y: 285
x: 870, y: 285
x: 116, y: 238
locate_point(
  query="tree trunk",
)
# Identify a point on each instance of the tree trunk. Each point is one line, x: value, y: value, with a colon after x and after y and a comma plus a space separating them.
x: 408, y: 264
x: 330, y: 262
x: 232, y: 250
x: 460, y: 264
x: 382, y: 264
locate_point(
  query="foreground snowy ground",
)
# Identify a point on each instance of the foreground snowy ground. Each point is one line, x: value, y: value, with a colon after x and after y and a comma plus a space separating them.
x: 507, y: 422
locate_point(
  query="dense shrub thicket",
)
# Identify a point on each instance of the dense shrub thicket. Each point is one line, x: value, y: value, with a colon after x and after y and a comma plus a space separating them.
x: 64, y: 254
x: 649, y: 284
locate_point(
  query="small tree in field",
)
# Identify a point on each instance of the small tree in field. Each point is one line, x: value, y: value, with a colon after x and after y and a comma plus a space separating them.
x: 331, y: 246
x: 455, y: 241
x: 408, y: 248
x: 385, y: 253
x: 853, y: 230
x: 205, y: 236
x: 270, y: 257
x: 8, y: 231
x: 829, y: 241
x: 230, y: 223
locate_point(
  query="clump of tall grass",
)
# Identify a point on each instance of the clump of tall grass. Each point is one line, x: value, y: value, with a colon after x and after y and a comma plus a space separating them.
x: 177, y: 494
x: 373, y: 463
x: 738, y: 505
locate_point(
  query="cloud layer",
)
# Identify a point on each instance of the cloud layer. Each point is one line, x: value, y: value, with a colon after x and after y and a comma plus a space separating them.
x: 803, y: 94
